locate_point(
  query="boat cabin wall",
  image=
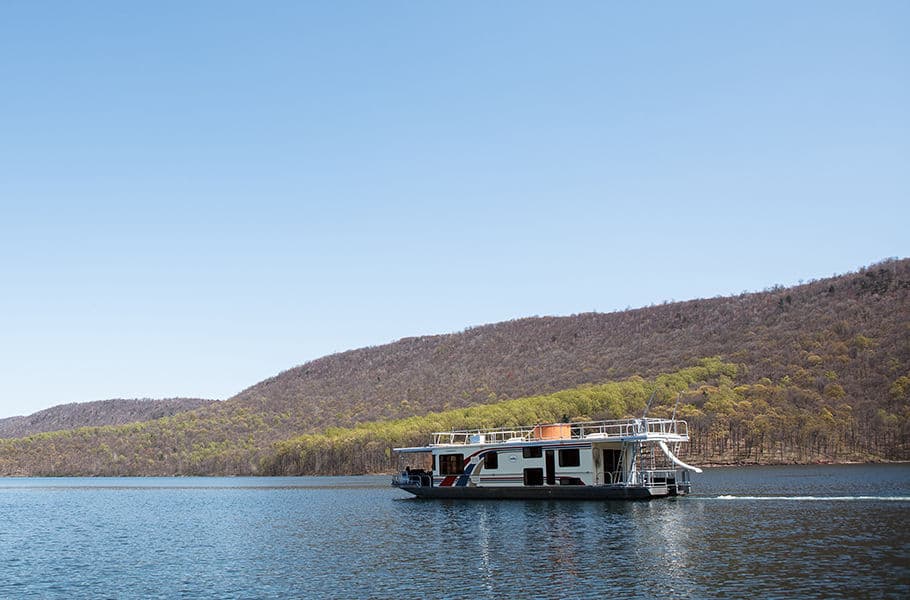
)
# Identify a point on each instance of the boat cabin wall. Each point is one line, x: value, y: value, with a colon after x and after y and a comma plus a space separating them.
x: 571, y: 463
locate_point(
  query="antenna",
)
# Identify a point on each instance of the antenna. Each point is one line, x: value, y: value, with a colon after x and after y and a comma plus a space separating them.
x: 675, y: 406
x: 648, y: 407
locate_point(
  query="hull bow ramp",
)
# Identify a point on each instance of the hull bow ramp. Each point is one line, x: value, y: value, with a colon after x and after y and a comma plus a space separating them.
x: 594, y: 460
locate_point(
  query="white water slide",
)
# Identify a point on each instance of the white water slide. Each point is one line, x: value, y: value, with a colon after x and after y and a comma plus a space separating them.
x: 671, y: 456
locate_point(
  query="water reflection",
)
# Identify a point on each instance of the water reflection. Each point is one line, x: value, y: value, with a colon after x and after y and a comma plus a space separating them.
x: 561, y: 548
x: 486, y: 564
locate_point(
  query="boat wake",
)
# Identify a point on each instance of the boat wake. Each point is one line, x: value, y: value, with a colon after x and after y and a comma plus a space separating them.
x: 822, y: 498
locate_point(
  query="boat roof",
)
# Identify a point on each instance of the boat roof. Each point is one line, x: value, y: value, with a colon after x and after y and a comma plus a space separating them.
x: 414, y: 449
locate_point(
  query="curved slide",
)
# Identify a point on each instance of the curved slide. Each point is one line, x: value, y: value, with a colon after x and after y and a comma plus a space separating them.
x: 671, y: 456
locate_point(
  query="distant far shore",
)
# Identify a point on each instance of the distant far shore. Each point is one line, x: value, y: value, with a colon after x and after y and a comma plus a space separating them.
x: 709, y: 465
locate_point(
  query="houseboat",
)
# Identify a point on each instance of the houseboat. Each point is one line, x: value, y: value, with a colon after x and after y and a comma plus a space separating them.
x: 598, y: 460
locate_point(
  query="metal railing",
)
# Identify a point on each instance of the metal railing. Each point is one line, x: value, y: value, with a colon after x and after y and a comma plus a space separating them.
x: 613, y: 430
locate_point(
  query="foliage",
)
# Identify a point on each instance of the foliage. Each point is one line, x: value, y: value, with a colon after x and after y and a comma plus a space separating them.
x: 729, y: 423
x: 366, y: 447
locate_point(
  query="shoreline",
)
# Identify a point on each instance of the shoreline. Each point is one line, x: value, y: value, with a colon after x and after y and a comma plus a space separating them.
x: 712, y: 465
x: 709, y: 465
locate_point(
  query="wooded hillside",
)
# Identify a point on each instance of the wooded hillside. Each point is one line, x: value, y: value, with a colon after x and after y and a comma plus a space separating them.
x: 729, y: 423
x: 822, y: 370
x: 802, y: 332
x: 101, y: 412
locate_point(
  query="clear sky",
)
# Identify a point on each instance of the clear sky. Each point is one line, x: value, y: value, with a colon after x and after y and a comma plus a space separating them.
x: 197, y: 195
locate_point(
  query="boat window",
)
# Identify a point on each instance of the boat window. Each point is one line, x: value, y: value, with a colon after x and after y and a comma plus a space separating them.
x: 534, y: 476
x: 491, y: 460
x: 532, y: 452
x: 451, y: 464
x: 569, y: 458
x: 432, y: 462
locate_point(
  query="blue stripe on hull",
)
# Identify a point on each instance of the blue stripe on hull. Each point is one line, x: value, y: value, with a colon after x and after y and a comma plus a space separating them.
x: 463, y: 479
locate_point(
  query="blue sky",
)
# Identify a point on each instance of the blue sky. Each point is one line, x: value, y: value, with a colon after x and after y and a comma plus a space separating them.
x: 196, y: 196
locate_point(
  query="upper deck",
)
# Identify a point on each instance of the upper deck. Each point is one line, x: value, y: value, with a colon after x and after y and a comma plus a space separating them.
x: 618, y: 430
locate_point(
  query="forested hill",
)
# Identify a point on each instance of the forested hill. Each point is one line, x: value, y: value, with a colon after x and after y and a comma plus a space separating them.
x: 102, y: 412
x: 822, y: 372
x: 856, y: 326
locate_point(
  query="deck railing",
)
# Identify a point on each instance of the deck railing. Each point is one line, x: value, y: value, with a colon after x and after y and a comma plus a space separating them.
x: 619, y: 429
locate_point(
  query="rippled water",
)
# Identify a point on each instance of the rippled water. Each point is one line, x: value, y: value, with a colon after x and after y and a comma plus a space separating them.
x: 832, y: 531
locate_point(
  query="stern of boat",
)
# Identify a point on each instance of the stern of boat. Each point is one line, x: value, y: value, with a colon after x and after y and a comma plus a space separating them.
x: 412, y: 478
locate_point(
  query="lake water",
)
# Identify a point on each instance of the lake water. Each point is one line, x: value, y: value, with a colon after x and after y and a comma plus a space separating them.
x: 827, y: 531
